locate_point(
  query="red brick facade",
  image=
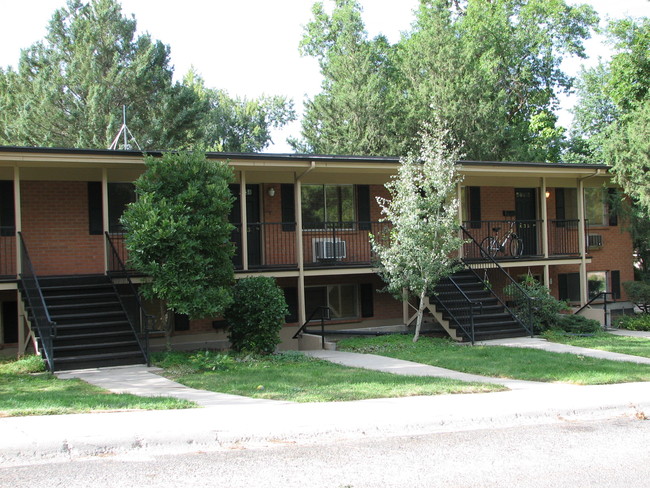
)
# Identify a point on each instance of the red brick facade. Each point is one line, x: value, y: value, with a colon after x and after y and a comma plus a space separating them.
x: 55, y: 228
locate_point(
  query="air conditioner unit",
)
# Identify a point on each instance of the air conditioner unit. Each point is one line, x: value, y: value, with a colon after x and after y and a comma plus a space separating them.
x: 328, y: 249
x: 594, y: 241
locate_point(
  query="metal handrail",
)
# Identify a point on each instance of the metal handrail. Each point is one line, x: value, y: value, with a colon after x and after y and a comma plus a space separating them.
x: 148, y: 318
x: 45, y: 326
x: 602, y: 294
x: 325, y: 314
x: 486, y: 256
x: 470, y: 302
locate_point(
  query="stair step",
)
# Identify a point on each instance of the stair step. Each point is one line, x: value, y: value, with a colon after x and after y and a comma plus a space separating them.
x: 90, y: 315
x: 90, y: 325
x: 100, y: 345
x: 114, y: 305
x: 98, y: 360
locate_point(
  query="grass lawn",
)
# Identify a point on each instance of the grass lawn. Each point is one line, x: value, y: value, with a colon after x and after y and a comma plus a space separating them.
x: 501, y: 361
x: 636, y: 346
x: 26, y: 390
x: 298, y: 378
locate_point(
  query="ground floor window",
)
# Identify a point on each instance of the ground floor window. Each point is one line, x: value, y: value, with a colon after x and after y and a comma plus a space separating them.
x: 343, y: 300
x: 596, y: 283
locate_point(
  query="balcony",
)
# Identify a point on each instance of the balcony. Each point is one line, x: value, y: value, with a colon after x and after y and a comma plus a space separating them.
x: 273, y: 245
x: 522, y: 239
x: 7, y: 253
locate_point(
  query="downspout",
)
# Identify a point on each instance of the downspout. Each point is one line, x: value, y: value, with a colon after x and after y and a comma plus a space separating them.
x: 302, y: 314
x: 582, y: 240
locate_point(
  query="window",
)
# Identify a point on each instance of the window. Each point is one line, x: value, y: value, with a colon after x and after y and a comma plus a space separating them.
x: 119, y: 196
x: 597, y: 208
x: 596, y: 283
x: 342, y: 300
x: 323, y: 204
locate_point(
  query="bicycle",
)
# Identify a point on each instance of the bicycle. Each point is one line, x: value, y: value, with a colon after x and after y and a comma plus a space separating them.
x: 492, y: 245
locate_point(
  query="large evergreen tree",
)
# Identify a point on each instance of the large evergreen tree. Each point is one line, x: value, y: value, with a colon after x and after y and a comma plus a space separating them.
x: 490, y: 69
x: 68, y: 91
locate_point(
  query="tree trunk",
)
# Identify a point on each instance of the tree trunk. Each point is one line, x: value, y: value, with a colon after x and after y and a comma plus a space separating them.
x: 166, y: 325
x: 418, y: 324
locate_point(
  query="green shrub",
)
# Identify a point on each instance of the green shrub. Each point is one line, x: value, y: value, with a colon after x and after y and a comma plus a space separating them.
x: 634, y: 322
x: 577, y: 324
x: 639, y: 293
x: 545, y: 307
x: 256, y: 315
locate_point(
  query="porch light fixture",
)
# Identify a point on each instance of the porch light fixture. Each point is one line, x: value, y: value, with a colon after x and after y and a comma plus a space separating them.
x: 548, y: 194
x: 271, y: 192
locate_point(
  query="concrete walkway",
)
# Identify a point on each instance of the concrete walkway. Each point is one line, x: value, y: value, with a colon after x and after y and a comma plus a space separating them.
x: 399, y: 366
x: 144, y: 381
x: 543, y: 344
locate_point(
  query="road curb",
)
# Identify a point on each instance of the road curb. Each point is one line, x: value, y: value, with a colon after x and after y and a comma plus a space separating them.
x: 29, y: 440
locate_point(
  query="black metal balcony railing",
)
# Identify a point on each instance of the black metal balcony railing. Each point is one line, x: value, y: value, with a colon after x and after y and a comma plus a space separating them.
x: 563, y: 237
x: 7, y: 252
x: 504, y: 238
x: 526, y: 238
x: 273, y: 245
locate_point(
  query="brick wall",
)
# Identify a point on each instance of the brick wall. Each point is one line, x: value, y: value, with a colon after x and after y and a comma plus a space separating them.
x: 55, y: 228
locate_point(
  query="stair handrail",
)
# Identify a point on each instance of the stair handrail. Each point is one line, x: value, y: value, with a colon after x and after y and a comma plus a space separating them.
x: 325, y: 314
x: 528, y: 324
x: 602, y: 294
x: 45, y: 326
x: 148, y: 318
x: 471, y: 303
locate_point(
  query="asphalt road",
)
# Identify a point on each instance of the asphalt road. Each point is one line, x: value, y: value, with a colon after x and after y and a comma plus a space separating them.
x: 605, y: 453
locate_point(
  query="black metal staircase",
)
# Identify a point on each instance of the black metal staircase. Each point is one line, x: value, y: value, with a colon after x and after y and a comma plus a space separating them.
x: 93, y: 329
x: 470, y: 311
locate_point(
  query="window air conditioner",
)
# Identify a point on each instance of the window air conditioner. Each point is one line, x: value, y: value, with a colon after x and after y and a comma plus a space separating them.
x: 594, y: 241
x: 328, y: 249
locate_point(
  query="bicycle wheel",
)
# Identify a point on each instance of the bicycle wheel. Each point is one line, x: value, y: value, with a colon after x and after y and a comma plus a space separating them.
x: 516, y: 247
x: 489, y: 247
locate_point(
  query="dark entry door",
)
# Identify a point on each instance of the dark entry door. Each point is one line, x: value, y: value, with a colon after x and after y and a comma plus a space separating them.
x: 10, y: 322
x: 526, y: 216
x: 254, y: 227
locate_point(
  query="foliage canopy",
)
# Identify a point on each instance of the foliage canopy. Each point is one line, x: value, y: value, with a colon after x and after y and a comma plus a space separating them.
x: 68, y: 91
x: 490, y: 70
x: 178, y: 233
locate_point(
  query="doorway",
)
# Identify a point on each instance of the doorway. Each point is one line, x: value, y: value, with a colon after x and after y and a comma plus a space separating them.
x: 526, y: 216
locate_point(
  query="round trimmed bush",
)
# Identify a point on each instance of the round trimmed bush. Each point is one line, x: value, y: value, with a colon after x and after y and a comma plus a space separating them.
x: 577, y: 324
x: 256, y: 315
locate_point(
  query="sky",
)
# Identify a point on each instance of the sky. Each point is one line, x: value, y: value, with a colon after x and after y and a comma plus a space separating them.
x: 250, y: 47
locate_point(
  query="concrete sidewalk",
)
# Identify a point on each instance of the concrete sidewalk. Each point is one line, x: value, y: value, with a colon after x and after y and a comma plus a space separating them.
x: 144, y: 381
x: 236, y: 422
x: 399, y: 366
x: 543, y: 344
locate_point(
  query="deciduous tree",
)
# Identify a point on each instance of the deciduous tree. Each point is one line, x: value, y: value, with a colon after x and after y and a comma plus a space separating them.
x: 423, y: 239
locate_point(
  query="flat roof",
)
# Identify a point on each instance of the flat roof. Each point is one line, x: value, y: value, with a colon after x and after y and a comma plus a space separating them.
x: 287, y: 157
